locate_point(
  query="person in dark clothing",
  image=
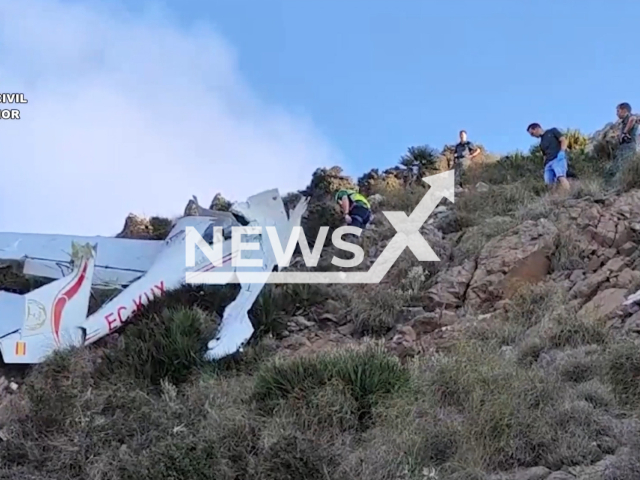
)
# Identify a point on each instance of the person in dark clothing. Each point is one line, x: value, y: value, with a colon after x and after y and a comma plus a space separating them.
x: 464, y: 151
x: 628, y: 124
x: 554, y: 148
x: 355, y: 208
x: 627, y: 140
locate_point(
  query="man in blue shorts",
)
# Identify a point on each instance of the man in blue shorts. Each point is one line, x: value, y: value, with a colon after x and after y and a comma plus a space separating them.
x: 554, y: 148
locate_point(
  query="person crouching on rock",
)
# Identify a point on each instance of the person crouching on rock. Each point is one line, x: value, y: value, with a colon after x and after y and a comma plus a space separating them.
x: 355, y: 208
x: 554, y: 148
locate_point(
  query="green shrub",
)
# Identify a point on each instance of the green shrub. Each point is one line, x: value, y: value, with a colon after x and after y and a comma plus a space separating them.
x: 512, y: 168
x: 169, y: 346
x: 375, y: 312
x: 368, y: 375
x: 12, y: 281
x: 160, y: 227
x: 476, y: 237
x: 277, y: 303
x: 324, y: 214
x: 374, y: 182
x: 513, y: 416
x: 498, y: 201
x: 54, y: 386
x: 630, y: 174
x: 623, y: 372
x: 403, y: 199
x: 569, y: 253
x: 269, y: 311
x: 325, y: 182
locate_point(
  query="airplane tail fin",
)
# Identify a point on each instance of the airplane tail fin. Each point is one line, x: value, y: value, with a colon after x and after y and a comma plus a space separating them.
x: 261, y: 207
x: 50, y: 313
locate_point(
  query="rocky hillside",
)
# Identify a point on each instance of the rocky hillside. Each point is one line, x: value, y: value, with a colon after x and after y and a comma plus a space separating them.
x: 513, y: 358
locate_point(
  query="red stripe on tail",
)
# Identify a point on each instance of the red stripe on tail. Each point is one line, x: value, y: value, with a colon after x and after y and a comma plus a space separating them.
x: 64, y: 298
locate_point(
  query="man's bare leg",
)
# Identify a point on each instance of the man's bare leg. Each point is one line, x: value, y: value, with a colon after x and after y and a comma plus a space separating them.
x: 560, y: 187
x: 564, y: 184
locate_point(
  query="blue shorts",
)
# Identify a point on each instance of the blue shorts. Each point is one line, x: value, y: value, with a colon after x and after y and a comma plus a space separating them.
x: 555, y: 169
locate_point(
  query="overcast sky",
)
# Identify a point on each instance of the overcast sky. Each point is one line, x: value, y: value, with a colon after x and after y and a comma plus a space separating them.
x: 133, y: 114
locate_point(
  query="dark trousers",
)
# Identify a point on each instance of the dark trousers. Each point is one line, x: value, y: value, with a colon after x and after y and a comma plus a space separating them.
x: 360, y: 216
x: 459, y: 163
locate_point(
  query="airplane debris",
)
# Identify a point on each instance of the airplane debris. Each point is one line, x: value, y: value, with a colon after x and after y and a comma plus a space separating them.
x: 54, y: 316
x: 633, y: 298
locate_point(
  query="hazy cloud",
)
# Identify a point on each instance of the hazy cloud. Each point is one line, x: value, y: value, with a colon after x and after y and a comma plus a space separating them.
x: 132, y: 114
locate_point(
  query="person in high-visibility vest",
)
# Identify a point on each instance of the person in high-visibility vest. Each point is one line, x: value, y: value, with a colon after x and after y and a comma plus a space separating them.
x: 355, y: 208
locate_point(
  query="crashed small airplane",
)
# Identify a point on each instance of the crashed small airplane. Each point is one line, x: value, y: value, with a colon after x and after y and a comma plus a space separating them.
x: 54, y: 316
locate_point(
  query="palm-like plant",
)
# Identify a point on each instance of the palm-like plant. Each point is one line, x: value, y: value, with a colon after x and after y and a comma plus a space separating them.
x: 419, y: 161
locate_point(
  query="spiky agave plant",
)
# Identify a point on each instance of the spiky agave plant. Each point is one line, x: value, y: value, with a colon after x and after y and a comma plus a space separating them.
x: 576, y: 140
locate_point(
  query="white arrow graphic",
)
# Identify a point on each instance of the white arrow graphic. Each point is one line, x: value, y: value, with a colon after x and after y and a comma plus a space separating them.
x: 407, y: 235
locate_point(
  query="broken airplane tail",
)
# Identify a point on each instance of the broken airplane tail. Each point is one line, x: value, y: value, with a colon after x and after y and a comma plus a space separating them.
x: 35, y: 324
x: 295, y: 215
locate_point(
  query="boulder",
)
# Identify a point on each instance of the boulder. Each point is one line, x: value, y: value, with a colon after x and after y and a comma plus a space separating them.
x: 518, y: 250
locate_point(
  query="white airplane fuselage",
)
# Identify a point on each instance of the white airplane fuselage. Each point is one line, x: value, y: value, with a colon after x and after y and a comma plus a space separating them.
x: 167, y: 273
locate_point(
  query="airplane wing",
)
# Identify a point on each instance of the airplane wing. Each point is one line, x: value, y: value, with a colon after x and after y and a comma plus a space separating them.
x: 119, y: 260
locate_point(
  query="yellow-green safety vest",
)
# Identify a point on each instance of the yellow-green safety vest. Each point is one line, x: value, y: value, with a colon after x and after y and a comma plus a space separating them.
x: 357, y: 197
